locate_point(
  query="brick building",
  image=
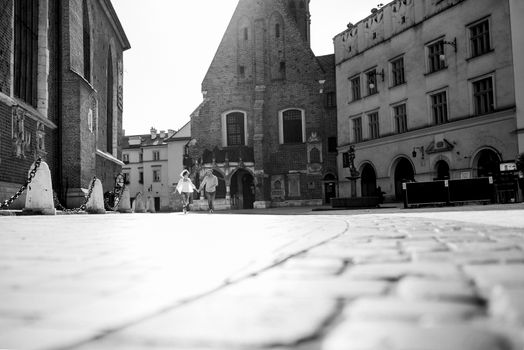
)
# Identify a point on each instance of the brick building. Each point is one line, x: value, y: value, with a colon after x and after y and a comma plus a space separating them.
x: 267, y: 125
x: 430, y: 90
x: 60, y: 93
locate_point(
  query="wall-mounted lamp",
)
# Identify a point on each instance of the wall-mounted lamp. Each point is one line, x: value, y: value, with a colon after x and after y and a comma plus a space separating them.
x: 414, y: 152
x: 321, y: 82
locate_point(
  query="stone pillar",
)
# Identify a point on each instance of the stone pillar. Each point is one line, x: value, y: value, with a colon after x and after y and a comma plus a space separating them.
x: 39, y: 198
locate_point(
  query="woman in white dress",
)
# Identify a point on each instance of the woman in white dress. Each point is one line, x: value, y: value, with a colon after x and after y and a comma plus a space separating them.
x: 185, y: 187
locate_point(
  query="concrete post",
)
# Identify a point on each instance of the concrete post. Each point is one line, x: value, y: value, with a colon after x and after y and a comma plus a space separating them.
x: 95, y: 205
x: 124, y: 206
x: 138, y: 205
x: 150, y: 206
x: 39, y: 198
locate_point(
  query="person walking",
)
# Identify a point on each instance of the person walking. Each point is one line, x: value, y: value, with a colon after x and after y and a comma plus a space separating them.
x: 185, y: 187
x: 210, y: 183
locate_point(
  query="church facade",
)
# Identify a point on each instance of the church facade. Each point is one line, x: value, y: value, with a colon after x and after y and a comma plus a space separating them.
x: 61, y: 93
x: 267, y: 125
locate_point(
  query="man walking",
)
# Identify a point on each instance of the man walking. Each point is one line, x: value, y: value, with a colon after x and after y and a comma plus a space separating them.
x: 210, y: 183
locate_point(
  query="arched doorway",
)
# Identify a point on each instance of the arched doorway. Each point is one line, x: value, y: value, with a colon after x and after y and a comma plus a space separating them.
x: 368, y: 181
x: 330, y: 190
x: 442, y: 169
x: 242, y: 189
x: 488, y: 163
x: 403, y: 173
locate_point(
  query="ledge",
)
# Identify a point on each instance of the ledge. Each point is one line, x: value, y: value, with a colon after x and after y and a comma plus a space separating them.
x: 33, y: 113
x: 109, y: 157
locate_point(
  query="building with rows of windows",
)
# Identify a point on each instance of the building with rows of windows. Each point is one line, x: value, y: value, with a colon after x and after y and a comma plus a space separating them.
x: 61, y: 93
x: 153, y: 163
x: 267, y: 125
x: 430, y: 89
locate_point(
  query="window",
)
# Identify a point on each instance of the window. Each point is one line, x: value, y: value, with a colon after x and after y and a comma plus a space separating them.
x: 357, y: 129
x: 331, y: 100
x: 483, y: 97
x: 156, y: 175
x: 277, y: 30
x: 401, y: 123
x: 283, y: 67
x: 345, y: 160
x: 246, y: 36
x: 332, y: 144
x: 439, y: 108
x: 140, y: 157
x: 479, y: 38
x: 141, y: 177
x: 397, y: 71
x: 156, y: 155
x: 125, y: 158
x: 235, y: 129
x: 127, y: 178
x: 435, y: 54
x: 87, y: 41
x: 374, y: 131
x: 26, y: 50
x: 242, y: 71
x: 314, y: 156
x: 371, y: 78
x: 292, y: 126
x: 355, y: 88
x: 109, y: 101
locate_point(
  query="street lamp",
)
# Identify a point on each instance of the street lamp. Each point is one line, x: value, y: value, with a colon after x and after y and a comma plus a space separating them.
x: 414, y: 152
x: 373, y: 75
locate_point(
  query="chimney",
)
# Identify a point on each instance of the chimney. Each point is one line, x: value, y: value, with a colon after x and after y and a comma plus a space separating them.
x: 170, y: 132
x: 153, y: 133
x: 162, y: 134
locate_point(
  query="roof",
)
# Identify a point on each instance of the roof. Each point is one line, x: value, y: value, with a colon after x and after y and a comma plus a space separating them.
x: 145, y: 141
x: 327, y: 62
x: 115, y: 22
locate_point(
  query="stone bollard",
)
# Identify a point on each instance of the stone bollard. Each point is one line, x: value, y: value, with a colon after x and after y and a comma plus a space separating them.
x: 150, y: 206
x: 39, y: 198
x: 95, y: 205
x: 138, y: 205
x: 124, y: 206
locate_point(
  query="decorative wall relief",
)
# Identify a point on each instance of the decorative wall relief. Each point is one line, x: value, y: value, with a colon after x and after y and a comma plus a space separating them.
x: 21, y: 139
x: 40, y: 140
x: 314, y: 154
x: 120, y: 88
x: 278, y: 192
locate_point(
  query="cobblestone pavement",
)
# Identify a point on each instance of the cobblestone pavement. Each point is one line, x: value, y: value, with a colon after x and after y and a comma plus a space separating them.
x: 377, y: 281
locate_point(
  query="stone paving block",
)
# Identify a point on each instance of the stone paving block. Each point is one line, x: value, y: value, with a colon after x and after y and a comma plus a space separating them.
x: 25, y: 338
x: 359, y: 255
x: 414, y: 246
x: 401, y: 336
x: 324, y: 265
x: 329, y: 287
x: 471, y: 257
x: 489, y: 276
x: 234, y: 322
x: 399, y: 270
x: 398, y: 309
x: 411, y: 288
x: 483, y: 246
x: 508, y: 305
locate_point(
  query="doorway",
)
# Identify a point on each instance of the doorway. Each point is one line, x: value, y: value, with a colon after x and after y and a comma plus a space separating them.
x: 442, y: 169
x: 242, y: 190
x: 403, y: 173
x: 330, y: 190
x: 368, y: 181
x: 488, y: 163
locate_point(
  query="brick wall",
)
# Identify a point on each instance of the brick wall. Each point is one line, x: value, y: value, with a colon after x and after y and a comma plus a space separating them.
x: 6, y: 37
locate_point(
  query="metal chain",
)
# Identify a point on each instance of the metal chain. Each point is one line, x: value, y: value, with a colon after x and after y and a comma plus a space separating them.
x: 7, y: 203
x: 117, y: 192
x: 82, y: 207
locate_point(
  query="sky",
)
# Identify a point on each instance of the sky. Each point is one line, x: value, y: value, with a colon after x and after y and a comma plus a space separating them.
x: 173, y: 43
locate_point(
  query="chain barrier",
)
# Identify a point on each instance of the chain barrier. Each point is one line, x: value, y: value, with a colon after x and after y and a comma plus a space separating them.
x: 117, y: 196
x: 7, y: 203
x: 59, y: 206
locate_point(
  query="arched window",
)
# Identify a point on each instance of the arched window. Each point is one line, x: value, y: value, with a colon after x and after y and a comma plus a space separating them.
x: 292, y: 126
x: 235, y: 129
x: 293, y: 9
x: 109, y: 121
x: 87, y: 41
x: 26, y: 50
x: 442, y: 170
x: 277, y: 30
x: 314, y: 156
